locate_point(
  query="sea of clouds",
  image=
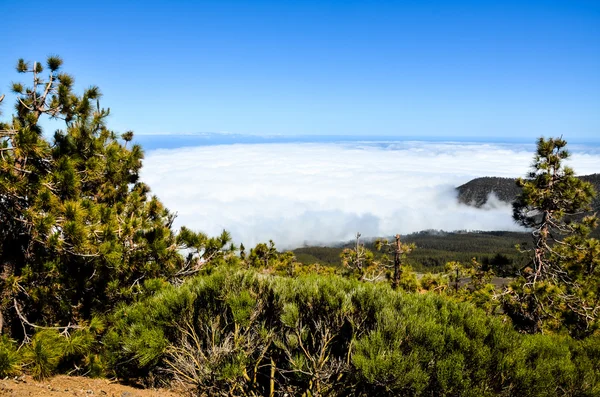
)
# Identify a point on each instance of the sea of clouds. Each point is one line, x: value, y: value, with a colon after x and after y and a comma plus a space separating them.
x: 318, y: 193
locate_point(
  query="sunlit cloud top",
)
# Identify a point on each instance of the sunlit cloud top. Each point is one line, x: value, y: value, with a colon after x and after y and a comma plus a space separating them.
x: 322, y: 193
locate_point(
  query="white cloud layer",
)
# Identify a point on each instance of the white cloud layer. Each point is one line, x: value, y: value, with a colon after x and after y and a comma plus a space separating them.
x: 326, y: 192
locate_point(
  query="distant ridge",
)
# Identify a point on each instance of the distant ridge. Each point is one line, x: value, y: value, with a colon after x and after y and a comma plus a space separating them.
x: 476, y: 191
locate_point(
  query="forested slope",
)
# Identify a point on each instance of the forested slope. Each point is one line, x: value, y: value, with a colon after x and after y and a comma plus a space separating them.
x: 476, y: 191
x: 436, y: 248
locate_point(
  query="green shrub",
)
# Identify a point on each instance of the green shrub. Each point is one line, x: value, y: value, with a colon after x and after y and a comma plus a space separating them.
x: 434, y: 282
x: 43, y: 354
x: 78, y: 352
x: 408, y: 280
x: 246, y: 333
x: 10, y: 360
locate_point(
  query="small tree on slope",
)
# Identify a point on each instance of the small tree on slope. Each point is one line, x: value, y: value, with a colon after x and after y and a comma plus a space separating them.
x: 398, y: 250
x: 560, y: 286
x: 361, y: 261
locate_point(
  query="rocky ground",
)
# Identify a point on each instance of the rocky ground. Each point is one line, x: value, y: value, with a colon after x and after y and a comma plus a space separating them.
x: 25, y: 386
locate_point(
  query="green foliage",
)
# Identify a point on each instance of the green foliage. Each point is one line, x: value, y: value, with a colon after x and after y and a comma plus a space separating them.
x: 434, y: 282
x: 246, y: 333
x: 408, y: 280
x: 10, y: 359
x: 473, y: 283
x: 50, y: 352
x: 79, y: 232
x: 580, y: 258
x: 360, y: 262
x: 82, y: 351
x: 263, y: 255
x: 436, y: 248
x: 554, y: 365
x: 43, y: 355
x: 395, y: 257
x: 439, y: 347
x: 559, y: 289
x: 551, y: 190
x: 266, y: 258
x: 493, y: 249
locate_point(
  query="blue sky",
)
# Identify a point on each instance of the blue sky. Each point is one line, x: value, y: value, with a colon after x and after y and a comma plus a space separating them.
x: 502, y: 70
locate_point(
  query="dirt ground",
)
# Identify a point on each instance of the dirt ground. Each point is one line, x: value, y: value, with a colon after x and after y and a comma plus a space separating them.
x: 25, y: 386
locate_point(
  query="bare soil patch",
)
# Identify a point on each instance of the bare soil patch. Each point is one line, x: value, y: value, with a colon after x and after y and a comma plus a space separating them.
x: 61, y: 385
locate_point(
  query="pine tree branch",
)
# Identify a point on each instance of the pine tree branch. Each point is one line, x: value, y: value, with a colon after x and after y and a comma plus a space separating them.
x: 23, y: 103
x: 49, y: 85
x: 25, y: 321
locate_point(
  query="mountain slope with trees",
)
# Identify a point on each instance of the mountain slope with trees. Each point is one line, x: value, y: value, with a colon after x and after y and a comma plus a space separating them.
x: 477, y: 191
x: 436, y: 248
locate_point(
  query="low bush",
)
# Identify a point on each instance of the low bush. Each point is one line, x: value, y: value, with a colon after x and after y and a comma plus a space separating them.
x: 50, y: 352
x: 44, y: 353
x: 10, y: 360
x: 237, y: 332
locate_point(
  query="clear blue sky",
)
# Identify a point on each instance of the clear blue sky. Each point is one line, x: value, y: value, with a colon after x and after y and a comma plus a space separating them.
x: 514, y: 69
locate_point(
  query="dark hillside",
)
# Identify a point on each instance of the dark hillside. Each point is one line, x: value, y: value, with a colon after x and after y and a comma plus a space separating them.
x: 436, y: 248
x: 476, y: 191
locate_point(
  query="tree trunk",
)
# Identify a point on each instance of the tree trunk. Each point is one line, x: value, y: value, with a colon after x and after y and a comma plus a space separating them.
x: 397, y: 263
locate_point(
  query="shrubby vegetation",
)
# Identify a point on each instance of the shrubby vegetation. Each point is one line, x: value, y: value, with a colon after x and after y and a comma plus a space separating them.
x: 436, y: 248
x: 241, y: 332
x: 96, y: 282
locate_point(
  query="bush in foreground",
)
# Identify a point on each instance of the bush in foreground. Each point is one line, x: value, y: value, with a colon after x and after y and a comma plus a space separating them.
x: 10, y: 360
x: 243, y: 333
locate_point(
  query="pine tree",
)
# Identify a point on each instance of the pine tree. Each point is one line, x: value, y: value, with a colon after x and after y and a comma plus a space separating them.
x: 262, y: 254
x: 560, y: 285
x: 78, y: 229
x: 361, y: 261
x: 398, y: 250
